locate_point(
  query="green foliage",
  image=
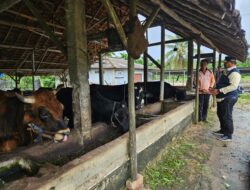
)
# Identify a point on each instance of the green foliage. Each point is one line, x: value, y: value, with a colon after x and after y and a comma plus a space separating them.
x: 244, y: 64
x: 176, y: 59
x: 47, y: 81
x: 25, y: 83
x: 124, y: 56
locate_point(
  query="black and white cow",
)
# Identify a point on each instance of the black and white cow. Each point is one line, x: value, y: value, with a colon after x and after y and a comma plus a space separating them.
x: 102, y: 108
x: 152, y: 91
x: 120, y: 93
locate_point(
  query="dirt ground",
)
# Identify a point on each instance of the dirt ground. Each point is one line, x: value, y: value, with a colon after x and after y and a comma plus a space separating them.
x: 227, y: 163
x: 211, y: 164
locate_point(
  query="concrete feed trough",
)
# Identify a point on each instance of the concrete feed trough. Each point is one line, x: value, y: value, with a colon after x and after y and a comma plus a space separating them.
x: 107, y: 167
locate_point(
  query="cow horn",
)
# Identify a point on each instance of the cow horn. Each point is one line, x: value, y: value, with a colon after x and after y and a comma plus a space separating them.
x: 26, y: 99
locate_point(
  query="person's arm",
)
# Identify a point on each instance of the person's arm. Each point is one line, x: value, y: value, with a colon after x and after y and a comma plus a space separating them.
x: 234, y: 80
x: 212, y: 80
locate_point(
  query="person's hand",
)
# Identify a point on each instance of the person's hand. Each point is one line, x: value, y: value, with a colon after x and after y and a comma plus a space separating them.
x: 214, y: 91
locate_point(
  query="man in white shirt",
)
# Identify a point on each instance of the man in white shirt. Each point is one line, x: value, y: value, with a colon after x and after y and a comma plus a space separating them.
x: 227, y: 95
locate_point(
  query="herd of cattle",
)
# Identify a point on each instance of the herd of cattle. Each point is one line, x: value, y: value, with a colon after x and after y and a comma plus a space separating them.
x: 43, y: 112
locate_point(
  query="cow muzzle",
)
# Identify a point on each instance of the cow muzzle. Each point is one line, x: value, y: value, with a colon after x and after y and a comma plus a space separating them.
x: 59, y: 136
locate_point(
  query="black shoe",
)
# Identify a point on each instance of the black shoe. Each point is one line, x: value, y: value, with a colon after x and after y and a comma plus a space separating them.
x: 218, y: 133
x: 225, y: 138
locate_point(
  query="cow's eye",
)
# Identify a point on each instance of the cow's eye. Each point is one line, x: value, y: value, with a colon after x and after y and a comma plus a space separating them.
x: 43, y: 114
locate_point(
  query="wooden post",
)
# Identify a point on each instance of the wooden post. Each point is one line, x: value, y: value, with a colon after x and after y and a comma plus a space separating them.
x: 214, y: 66
x: 131, y: 98
x: 100, y: 69
x: 214, y: 60
x: 16, y: 80
x: 197, y: 83
x: 145, y: 70
x: 219, y: 64
x: 162, y: 61
x: 78, y: 67
x: 33, y: 69
x: 190, y: 65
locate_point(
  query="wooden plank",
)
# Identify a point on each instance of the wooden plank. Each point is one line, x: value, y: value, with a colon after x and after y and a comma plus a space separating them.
x: 197, y: 82
x: 162, y: 62
x: 100, y: 69
x: 6, y: 4
x: 176, y: 17
x: 190, y: 65
x: 46, y: 28
x: 78, y: 67
x: 111, y: 11
x: 168, y: 42
x: 151, y: 18
x: 131, y: 98
x: 153, y: 60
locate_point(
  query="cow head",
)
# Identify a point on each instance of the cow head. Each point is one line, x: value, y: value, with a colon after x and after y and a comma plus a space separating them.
x: 139, y: 94
x: 119, y: 117
x: 44, y: 110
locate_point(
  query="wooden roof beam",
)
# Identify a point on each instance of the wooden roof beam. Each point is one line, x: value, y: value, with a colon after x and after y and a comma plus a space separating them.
x: 187, y: 25
x: 111, y: 11
x: 168, y: 42
x: 28, y: 48
x: 151, y: 18
x: 34, y: 19
x: 6, y: 4
x: 46, y: 28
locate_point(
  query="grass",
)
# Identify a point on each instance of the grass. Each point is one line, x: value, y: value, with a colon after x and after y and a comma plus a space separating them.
x: 244, y: 101
x: 168, y: 171
x: 245, y: 78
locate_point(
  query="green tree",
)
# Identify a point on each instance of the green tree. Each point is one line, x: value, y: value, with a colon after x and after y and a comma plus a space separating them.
x: 176, y: 57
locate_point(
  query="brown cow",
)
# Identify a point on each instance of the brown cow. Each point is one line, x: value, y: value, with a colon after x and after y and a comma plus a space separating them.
x: 42, y: 109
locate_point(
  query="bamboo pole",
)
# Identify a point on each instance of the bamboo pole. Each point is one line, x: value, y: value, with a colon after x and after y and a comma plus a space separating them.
x: 197, y: 83
x: 131, y: 98
x: 162, y: 62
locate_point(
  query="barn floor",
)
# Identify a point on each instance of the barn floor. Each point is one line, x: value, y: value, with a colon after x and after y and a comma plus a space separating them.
x: 211, y: 164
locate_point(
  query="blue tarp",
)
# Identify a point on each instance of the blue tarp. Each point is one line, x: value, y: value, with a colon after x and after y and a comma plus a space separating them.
x: 1, y: 75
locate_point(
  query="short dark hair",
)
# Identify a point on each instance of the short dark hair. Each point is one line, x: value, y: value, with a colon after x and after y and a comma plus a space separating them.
x: 230, y: 59
x: 204, y: 60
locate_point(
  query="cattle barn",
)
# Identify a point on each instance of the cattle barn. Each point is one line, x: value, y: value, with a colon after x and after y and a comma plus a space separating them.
x: 51, y: 36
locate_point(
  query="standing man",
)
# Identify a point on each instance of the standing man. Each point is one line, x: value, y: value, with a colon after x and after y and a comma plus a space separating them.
x: 227, y: 95
x: 206, y: 81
